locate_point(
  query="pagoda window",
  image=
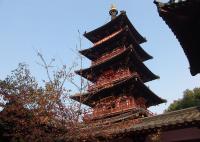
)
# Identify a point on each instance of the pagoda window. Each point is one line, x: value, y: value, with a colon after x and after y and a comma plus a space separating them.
x: 117, y: 104
x: 133, y: 103
x: 104, y: 107
x: 113, y: 105
x: 141, y: 102
x: 123, y: 101
x: 127, y: 102
x: 108, y: 77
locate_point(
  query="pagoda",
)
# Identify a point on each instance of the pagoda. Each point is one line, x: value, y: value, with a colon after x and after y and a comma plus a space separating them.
x: 117, y: 72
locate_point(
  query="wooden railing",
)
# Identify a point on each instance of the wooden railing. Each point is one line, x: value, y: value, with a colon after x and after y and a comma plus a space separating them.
x: 109, y: 55
x: 90, y: 114
x: 109, y: 79
x: 112, y: 110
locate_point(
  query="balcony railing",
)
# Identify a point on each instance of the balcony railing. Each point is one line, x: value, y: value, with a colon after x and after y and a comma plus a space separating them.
x: 108, y: 80
x: 108, y: 56
x: 90, y: 114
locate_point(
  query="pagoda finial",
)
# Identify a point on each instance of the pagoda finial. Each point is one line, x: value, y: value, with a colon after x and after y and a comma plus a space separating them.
x: 113, y: 11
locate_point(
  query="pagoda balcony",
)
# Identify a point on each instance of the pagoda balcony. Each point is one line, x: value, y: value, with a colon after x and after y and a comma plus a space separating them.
x: 109, y: 55
x: 90, y: 114
x: 109, y: 79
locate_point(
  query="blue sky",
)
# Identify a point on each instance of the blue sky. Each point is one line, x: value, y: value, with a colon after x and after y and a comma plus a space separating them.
x: 51, y: 26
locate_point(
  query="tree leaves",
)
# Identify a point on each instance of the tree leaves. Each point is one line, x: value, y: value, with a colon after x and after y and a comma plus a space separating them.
x: 28, y: 109
x: 190, y: 98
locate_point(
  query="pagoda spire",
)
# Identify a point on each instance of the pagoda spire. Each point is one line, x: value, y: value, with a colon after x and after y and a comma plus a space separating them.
x: 113, y: 12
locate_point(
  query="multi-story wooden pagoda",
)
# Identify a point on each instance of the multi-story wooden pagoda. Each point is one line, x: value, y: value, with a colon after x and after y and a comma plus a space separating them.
x: 117, y: 73
x: 182, y: 17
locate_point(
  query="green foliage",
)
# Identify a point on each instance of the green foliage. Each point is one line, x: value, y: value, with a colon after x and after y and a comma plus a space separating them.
x: 190, y: 98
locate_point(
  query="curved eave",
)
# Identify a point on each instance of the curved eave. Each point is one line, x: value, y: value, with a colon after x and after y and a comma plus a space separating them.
x: 146, y: 74
x: 93, y: 52
x: 113, y: 25
x: 182, y: 18
x: 89, y: 97
x: 100, y: 48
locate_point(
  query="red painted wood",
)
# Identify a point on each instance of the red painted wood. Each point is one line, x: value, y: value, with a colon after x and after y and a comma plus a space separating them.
x: 112, y: 105
x: 109, y: 55
x: 107, y: 78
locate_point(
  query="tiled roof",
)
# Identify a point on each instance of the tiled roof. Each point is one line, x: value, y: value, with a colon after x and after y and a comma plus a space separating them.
x: 111, y: 43
x: 181, y: 118
x: 143, y: 90
x: 103, y: 31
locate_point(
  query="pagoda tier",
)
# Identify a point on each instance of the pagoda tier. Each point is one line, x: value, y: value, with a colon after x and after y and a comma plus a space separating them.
x: 128, y: 95
x: 114, y: 25
x: 183, y: 18
x: 121, y: 38
x: 131, y: 86
x: 127, y: 59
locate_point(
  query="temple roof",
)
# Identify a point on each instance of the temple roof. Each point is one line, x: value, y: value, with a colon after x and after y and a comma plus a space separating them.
x: 121, y: 38
x: 145, y: 74
x: 138, y: 89
x: 123, y: 125
x: 183, y: 18
x: 189, y: 117
x: 114, y: 25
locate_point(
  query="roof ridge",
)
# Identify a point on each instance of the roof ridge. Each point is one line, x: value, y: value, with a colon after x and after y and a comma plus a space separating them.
x: 177, y: 112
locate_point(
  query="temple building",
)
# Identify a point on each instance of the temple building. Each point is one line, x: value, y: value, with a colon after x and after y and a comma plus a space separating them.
x: 183, y: 18
x: 117, y: 94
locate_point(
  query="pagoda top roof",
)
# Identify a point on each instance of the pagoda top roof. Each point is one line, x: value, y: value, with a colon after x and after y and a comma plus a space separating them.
x: 89, y: 97
x: 122, y: 36
x: 91, y: 72
x: 114, y: 25
x: 182, y: 18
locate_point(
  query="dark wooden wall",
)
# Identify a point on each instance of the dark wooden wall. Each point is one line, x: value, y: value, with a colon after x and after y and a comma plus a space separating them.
x: 181, y: 135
